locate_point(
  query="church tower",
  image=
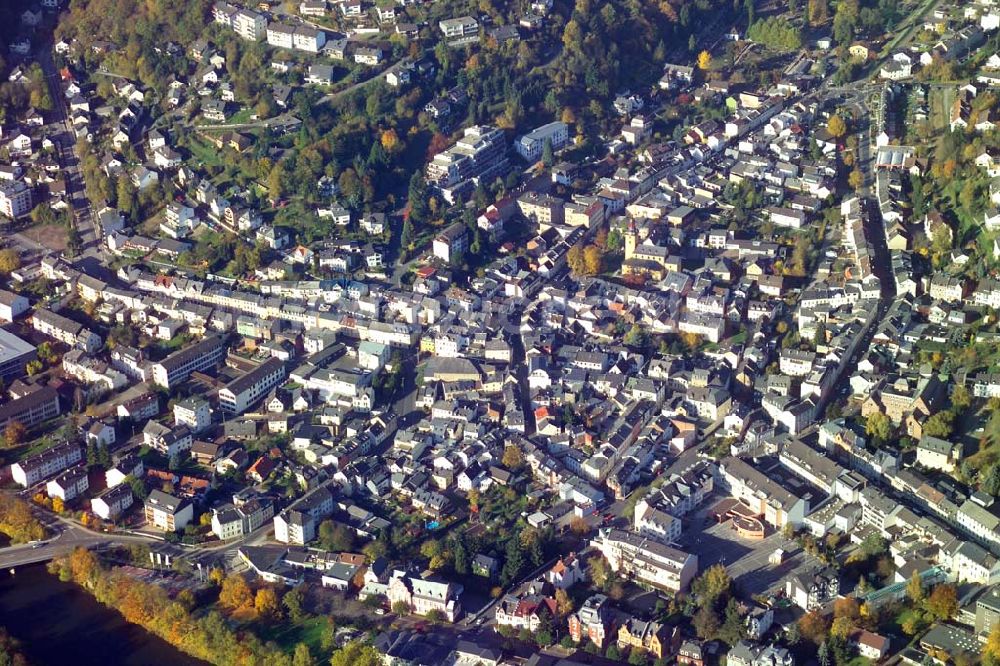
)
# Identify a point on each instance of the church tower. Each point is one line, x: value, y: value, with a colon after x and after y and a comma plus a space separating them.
x: 631, y: 240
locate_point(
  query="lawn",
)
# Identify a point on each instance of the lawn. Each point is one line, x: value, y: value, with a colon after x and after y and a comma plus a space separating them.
x: 940, y: 100
x: 288, y: 634
x: 203, y: 152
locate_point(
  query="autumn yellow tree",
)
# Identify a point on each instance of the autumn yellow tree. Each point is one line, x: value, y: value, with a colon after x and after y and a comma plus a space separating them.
x: 217, y: 576
x: 235, y: 594
x: 579, y: 526
x: 266, y: 603
x: 84, y: 567
x: 992, y: 649
x: 943, y: 602
x: 512, y: 458
x: 58, y: 505
x: 704, y: 61
x: 836, y: 127
x: 593, y: 260
x: 10, y: 261
x: 564, y: 605
x: 847, y: 607
x: 915, y: 588
x: 813, y: 627
x: 841, y: 628
x: 391, y: 142
x: 574, y: 259
x: 14, y: 433
x: 856, y: 179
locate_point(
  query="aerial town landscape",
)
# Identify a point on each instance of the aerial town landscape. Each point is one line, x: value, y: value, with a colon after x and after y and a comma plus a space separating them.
x: 548, y: 333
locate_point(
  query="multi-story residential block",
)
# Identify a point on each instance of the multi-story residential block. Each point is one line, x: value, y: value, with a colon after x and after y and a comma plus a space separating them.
x: 647, y: 561
x: 591, y: 621
x: 936, y: 453
x: 65, y: 330
x: 140, y: 408
x: 978, y: 516
x: 544, y: 209
x: 280, y: 35
x: 529, y: 611
x: 12, y: 306
x: 15, y: 199
x: 193, y: 412
x: 811, y: 591
x: 89, y: 370
x: 130, y: 465
x: 37, y: 406
x: 653, y: 638
x: 657, y: 515
x: 168, y: 441
x: 481, y: 153
x: 451, y: 242
x: 297, y: 524
x: 113, y: 502
x: 532, y: 145
x: 747, y: 653
x: 463, y: 26
x: 249, y: 25
x: 69, y: 485
x: 235, y: 520
x: 237, y: 396
x: 166, y: 512
x: 30, y: 471
x: 307, y: 38
x: 777, y: 505
x: 178, y: 366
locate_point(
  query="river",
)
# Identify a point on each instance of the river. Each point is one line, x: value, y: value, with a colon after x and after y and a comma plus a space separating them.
x: 58, y: 623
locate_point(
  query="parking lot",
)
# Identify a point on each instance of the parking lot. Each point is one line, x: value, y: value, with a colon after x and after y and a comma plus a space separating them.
x: 746, y: 560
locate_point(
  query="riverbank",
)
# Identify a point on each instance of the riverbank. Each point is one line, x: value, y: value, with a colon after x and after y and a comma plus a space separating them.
x: 203, y: 633
x: 53, y: 620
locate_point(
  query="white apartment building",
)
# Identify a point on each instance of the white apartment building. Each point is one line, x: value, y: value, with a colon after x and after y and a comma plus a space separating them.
x: 15, y: 199
x: 531, y: 145
x: 251, y: 26
x: 112, y: 503
x: 647, y: 561
x: 463, y: 26
x: 237, y: 396
x: 30, y: 471
x: 69, y: 485
x: 297, y: 524
x: 280, y: 35
x: 194, y: 413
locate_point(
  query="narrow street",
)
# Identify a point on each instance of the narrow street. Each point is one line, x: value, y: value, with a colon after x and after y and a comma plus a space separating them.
x: 86, y: 222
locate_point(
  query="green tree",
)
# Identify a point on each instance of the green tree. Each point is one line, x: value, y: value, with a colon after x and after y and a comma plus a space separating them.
x: 706, y: 623
x: 293, y: 602
x: 461, y: 558
x: 356, y: 654
x: 940, y: 424
x: 961, y: 399
x: 514, y: 562
x: 302, y: 656
x: 547, y: 154
x: 335, y: 536
x: 879, y: 427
